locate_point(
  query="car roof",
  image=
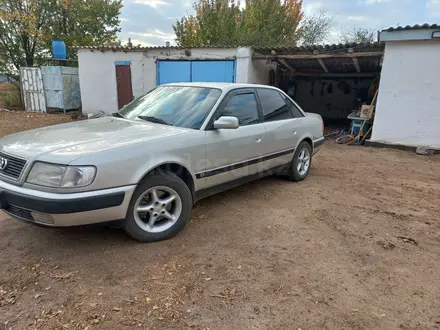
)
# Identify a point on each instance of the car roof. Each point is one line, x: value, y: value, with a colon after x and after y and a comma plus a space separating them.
x: 219, y: 85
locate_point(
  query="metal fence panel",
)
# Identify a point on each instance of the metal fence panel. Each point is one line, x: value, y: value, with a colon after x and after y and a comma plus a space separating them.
x: 61, y: 85
x: 33, y: 90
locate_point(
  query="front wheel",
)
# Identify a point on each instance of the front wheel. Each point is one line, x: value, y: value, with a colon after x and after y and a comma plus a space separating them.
x: 159, y: 209
x: 302, y: 160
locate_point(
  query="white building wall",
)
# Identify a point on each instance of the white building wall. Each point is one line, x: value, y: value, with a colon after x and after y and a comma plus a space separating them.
x: 98, y: 76
x: 259, y: 72
x: 408, y: 106
x: 244, y: 56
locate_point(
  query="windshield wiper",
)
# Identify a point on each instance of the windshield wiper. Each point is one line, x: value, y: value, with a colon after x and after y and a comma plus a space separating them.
x: 154, y: 120
x: 117, y: 114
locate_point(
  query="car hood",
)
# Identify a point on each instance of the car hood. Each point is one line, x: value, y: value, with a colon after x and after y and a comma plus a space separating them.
x: 66, y: 142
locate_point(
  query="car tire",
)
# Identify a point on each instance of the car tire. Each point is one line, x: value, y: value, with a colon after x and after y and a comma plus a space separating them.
x: 301, y: 162
x: 144, y: 221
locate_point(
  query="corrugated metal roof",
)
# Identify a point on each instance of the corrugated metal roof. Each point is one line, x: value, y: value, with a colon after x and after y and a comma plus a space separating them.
x: 143, y: 49
x: 319, y: 47
x: 336, y: 48
x: 260, y: 49
x: 413, y: 27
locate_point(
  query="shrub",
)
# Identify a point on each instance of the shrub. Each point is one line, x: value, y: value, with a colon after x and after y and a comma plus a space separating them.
x: 11, y: 99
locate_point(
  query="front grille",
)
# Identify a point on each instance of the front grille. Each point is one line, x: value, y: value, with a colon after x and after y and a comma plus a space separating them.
x: 19, y: 212
x: 14, y: 166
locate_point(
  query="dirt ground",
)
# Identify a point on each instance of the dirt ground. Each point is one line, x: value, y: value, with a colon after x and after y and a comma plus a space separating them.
x: 354, y: 246
x: 16, y: 121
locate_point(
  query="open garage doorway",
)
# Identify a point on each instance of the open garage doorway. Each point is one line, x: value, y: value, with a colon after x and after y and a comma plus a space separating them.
x: 333, y: 81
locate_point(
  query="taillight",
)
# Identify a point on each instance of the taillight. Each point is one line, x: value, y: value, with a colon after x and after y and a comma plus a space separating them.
x: 322, y: 127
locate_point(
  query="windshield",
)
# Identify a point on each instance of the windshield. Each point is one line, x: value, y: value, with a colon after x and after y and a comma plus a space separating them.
x: 173, y: 105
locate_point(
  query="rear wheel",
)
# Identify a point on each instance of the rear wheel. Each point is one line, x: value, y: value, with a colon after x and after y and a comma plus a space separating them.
x: 302, y: 160
x: 159, y: 209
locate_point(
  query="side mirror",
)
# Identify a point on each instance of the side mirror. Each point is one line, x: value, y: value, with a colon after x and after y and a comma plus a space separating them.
x: 226, y: 122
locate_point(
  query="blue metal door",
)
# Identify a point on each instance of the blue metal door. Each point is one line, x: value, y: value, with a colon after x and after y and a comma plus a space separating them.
x: 213, y: 71
x: 197, y: 71
x: 173, y: 71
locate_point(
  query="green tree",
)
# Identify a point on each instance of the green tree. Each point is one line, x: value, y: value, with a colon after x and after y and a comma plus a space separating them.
x: 261, y: 22
x: 187, y: 32
x: 215, y: 22
x: 21, y: 24
x: 27, y: 28
x: 84, y: 22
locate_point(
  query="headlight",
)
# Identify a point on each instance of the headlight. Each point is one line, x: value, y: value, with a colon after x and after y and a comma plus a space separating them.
x: 59, y: 176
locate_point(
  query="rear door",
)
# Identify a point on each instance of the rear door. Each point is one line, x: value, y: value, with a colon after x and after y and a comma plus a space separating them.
x: 235, y: 153
x: 281, y: 125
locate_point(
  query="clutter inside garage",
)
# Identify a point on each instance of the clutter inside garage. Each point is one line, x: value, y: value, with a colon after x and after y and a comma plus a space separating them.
x: 339, y: 82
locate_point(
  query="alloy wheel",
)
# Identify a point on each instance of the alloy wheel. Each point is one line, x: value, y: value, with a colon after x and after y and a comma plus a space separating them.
x: 157, y: 209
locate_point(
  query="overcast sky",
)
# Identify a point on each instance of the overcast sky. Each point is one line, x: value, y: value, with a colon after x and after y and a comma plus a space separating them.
x: 149, y: 22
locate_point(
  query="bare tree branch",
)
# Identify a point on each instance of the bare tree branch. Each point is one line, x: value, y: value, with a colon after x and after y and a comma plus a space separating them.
x: 359, y: 35
x: 315, y: 29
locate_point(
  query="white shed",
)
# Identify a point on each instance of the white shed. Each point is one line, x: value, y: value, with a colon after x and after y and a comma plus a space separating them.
x: 110, y: 77
x: 408, y: 105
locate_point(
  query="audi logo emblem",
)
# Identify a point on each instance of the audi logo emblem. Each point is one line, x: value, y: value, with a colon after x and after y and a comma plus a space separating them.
x: 3, y: 163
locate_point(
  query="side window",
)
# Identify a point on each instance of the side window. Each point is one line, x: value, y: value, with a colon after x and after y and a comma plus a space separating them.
x: 296, y: 112
x: 244, y: 107
x: 274, y: 107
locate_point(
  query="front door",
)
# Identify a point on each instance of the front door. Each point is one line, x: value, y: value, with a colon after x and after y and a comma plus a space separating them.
x: 123, y: 83
x: 235, y: 153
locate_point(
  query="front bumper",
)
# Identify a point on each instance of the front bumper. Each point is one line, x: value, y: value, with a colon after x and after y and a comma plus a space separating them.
x: 65, y: 210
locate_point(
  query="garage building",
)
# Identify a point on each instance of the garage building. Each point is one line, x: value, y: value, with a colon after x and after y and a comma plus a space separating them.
x: 329, y: 80
x: 332, y: 80
x: 110, y: 77
x: 408, y: 105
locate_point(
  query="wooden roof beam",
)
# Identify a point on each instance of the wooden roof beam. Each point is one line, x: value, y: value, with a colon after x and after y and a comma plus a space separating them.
x: 355, y: 60
x: 287, y: 65
x: 356, y: 64
x: 321, y: 62
x: 337, y: 75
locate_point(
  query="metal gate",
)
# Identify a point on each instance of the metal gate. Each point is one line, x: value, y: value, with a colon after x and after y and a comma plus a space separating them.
x: 33, y: 89
x: 197, y: 71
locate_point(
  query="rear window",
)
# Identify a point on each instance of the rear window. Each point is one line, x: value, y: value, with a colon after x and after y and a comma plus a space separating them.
x: 274, y: 106
x: 296, y: 112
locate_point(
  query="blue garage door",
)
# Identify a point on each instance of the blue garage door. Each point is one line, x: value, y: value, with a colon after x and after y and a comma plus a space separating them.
x: 213, y: 71
x: 173, y: 71
x: 197, y: 71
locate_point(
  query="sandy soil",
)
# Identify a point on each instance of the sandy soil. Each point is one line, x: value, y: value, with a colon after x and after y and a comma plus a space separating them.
x: 355, y: 246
